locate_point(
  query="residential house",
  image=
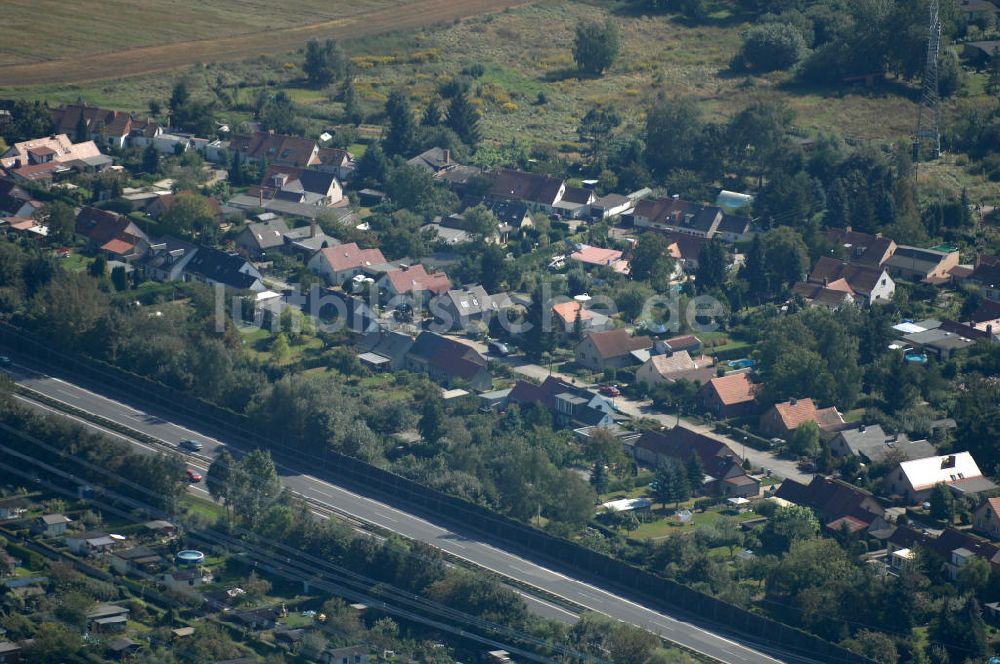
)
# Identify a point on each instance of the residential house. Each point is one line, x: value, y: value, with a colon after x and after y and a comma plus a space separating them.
x: 299, y: 185
x: 413, y: 281
x: 103, y: 126
x: 782, y: 419
x: 139, y: 561
x: 185, y: 579
x: 986, y: 317
x: 10, y: 652
x: 838, y: 504
x: 15, y: 201
x: 981, y: 12
x: 166, y: 259
x: 345, y: 655
x: 986, y: 275
x: 724, y: 474
x: 342, y: 262
x: 13, y: 508
x: 732, y: 395
x: 122, y: 648
x: 979, y: 53
x: 51, y: 525
x: 337, y: 161
x: 872, y: 285
x: 686, y: 342
x: 161, y: 530
x: 276, y: 149
x: 986, y: 518
x: 259, y: 238
x: 678, y: 216
x: 571, y: 406
x: 568, y: 312
x: 599, y: 257
x: 289, y: 639
x: 611, y: 205
x: 448, y: 362
x: 611, y: 349
x: 458, y: 308
x: 538, y: 192
x: 575, y: 203
x: 685, y: 250
x: 660, y: 369
x: 214, y: 267
x: 914, y: 480
x: 433, y: 160
x: 832, y: 297
x: 929, y: 266
x: 511, y: 215
x: 944, y: 338
x: 116, y: 235
x: 307, y: 240
x: 256, y: 620
x: 861, y: 248
x: 43, y: 159
x: 384, y: 350
x: 90, y: 543
x: 871, y: 444
x: 105, y: 618
x: 952, y: 548
x: 734, y: 228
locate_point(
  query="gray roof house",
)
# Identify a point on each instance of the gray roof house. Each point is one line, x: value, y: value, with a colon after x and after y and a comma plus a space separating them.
x: 384, y: 350
x: 457, y: 308
x: 871, y: 444
x: 166, y: 259
x: 258, y: 238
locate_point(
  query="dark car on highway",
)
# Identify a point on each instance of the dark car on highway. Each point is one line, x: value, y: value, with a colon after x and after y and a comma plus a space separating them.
x: 192, y: 445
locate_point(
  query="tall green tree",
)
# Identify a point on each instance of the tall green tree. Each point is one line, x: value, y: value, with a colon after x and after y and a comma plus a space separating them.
x: 221, y: 479
x: 651, y: 261
x: 59, y: 218
x: 673, y: 131
x: 599, y: 476
x: 942, y: 503
x: 373, y: 167
x: 960, y: 629
x: 463, y: 119
x: 596, y: 46
x: 257, y: 487
x: 432, y: 115
x: 695, y: 470
x: 754, y: 270
x: 805, y: 440
x: 324, y: 63
x: 713, y: 260
x: 399, y: 136
x: 432, y: 416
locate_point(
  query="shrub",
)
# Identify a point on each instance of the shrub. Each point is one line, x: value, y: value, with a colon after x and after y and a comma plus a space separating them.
x: 771, y: 46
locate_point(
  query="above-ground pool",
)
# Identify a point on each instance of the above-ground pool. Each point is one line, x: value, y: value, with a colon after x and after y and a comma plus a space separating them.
x: 741, y: 364
x: 190, y: 557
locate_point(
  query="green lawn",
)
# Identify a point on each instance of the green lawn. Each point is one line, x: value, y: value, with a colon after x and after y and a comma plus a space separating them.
x: 202, y: 507
x: 75, y: 262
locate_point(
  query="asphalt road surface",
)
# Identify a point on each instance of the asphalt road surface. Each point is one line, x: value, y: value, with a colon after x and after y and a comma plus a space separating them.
x: 385, y: 516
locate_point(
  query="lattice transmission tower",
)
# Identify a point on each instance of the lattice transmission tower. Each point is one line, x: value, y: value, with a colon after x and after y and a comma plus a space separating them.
x: 929, y: 118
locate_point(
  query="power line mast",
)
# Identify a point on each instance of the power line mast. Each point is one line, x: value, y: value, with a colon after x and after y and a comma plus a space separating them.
x: 929, y: 118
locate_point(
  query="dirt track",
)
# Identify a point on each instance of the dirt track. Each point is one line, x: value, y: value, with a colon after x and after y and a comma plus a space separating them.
x: 147, y: 59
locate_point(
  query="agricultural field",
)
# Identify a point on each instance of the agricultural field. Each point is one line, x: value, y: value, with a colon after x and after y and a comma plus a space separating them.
x: 114, y: 38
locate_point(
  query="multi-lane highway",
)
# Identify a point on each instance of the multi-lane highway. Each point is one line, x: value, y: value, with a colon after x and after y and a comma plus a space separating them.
x: 384, y: 516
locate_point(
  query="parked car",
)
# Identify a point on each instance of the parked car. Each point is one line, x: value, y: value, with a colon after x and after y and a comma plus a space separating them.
x: 610, y: 391
x: 498, y: 348
x: 807, y: 466
x: 192, y: 445
x: 193, y: 475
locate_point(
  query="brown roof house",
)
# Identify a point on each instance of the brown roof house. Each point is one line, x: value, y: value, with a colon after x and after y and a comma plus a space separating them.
x: 724, y: 474
x: 986, y: 274
x: 782, y: 419
x: 838, y: 504
x: 861, y: 248
x: 869, y: 284
x: 986, y: 518
x: 610, y: 350
x: 116, y: 235
x: 834, y: 296
x: 732, y: 395
x: 414, y: 281
x: 276, y: 149
x: 448, y: 362
x: 342, y: 262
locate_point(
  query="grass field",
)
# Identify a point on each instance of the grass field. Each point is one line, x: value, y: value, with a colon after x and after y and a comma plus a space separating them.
x: 115, y: 38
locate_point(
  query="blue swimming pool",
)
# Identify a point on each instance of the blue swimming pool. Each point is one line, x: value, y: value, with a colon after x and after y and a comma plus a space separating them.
x: 741, y: 364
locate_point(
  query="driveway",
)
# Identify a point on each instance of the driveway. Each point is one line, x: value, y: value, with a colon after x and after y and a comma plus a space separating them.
x: 780, y: 468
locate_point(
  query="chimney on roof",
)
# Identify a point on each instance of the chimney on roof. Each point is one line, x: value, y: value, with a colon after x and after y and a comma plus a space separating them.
x: 260, y: 197
x: 312, y: 228
x: 847, y: 229
x: 948, y: 462
x: 793, y: 401
x: 979, y: 261
x: 447, y: 156
x: 862, y: 428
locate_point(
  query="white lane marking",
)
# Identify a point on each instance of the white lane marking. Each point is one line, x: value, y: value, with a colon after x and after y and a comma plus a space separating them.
x: 604, y: 593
